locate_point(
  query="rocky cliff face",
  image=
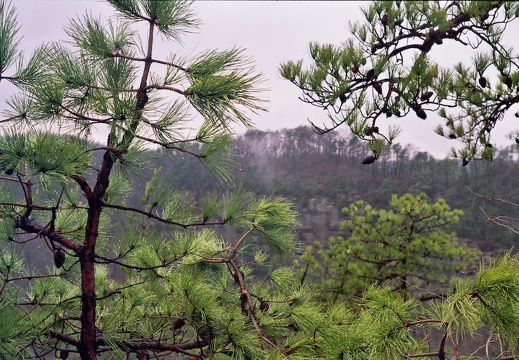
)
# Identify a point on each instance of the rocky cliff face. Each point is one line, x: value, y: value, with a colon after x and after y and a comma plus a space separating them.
x: 320, y: 218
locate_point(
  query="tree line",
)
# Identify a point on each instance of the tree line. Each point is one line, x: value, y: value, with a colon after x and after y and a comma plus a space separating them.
x: 300, y: 164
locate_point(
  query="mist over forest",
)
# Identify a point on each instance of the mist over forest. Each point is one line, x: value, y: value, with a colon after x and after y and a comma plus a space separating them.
x: 322, y: 174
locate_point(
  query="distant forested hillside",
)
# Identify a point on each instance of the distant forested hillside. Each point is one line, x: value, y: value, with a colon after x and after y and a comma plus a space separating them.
x: 324, y: 173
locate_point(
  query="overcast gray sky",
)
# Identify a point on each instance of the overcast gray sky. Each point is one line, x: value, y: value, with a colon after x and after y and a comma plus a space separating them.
x: 271, y: 32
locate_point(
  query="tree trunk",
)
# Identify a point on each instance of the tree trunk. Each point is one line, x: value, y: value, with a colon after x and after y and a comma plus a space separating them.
x: 88, y: 294
x: 87, y: 347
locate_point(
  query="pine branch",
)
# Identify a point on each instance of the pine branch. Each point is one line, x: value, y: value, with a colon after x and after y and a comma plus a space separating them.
x: 33, y: 228
x: 134, y: 346
x: 63, y: 337
x: 165, y: 87
x: 155, y: 61
x: 160, y: 219
x: 83, y: 184
x: 246, y: 302
x: 172, y: 145
x: 134, y: 267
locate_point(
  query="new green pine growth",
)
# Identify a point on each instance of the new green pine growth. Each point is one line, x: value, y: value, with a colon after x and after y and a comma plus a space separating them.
x: 33, y: 71
x: 216, y: 156
x: 174, y: 18
x: 47, y: 156
x: 459, y: 313
x: 72, y: 68
x: 13, y: 331
x: 348, y: 338
x: 48, y: 99
x: 275, y: 220
x: 6, y: 229
x: 283, y: 278
x: 390, y: 337
x: 498, y: 290
x: 498, y: 280
x: 11, y: 261
x: 204, y: 244
x: 117, y: 74
x: 119, y: 189
x: 179, y: 208
x: 211, y: 206
x: 236, y: 205
x: 307, y: 317
x: 90, y: 35
x: 18, y: 109
x: 129, y: 9
x: 173, y: 118
x: 161, y: 193
x: 211, y: 96
x: 274, y: 322
x: 242, y: 337
x: 71, y: 221
x: 212, y: 62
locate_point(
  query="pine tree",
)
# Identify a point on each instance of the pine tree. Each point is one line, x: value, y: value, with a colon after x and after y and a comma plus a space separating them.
x: 148, y: 280
x: 409, y: 288
x: 157, y: 280
x: 387, y: 68
x: 406, y: 248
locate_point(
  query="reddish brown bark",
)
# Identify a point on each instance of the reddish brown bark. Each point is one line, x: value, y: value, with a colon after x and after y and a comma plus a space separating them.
x: 87, y: 346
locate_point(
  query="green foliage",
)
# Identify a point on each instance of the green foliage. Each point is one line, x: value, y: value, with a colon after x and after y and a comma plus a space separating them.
x: 46, y: 155
x: 404, y: 248
x: 8, y: 36
x: 106, y: 277
x: 498, y: 292
x: 385, y: 325
x: 387, y: 68
x: 217, y: 157
x: 156, y: 277
x: 174, y: 18
x: 210, y: 96
x: 275, y: 220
